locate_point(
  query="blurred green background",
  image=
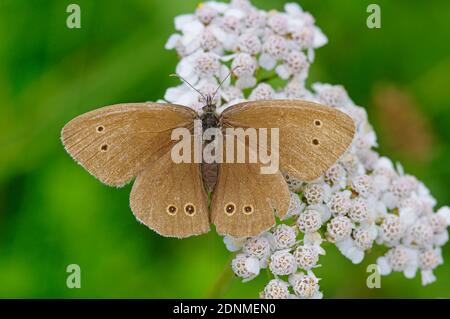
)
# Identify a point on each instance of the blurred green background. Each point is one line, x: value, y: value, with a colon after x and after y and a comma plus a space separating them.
x: 53, y: 213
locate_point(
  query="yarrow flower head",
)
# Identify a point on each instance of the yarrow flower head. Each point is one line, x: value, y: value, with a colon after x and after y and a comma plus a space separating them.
x: 362, y: 200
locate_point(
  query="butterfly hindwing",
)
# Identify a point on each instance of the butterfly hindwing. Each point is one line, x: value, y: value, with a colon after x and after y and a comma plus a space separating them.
x: 170, y: 198
x: 245, y: 200
x: 115, y: 143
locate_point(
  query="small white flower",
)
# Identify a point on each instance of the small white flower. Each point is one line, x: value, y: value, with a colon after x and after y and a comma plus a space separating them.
x: 428, y: 261
x: 232, y: 23
x: 316, y: 193
x: 296, y: 64
x: 306, y: 256
x: 255, y: 20
x: 276, y: 289
x: 399, y: 258
x: 258, y: 247
x: 359, y: 211
x: 340, y: 203
x: 336, y: 175
x: 439, y: 221
x: 205, y: 13
x: 207, y: 65
x: 351, y: 164
x: 244, y: 66
x: 339, y: 228
x: 391, y: 229
x: 364, y: 236
x: 403, y: 186
x: 282, y: 237
x: 363, y: 185
x: 249, y: 43
x: 275, y: 48
x: 305, y: 286
x: 209, y: 42
x: 282, y: 262
x: 262, y: 92
x: 420, y: 233
x: 296, y: 90
x: 332, y: 95
x: 245, y: 267
x: 295, y: 206
x: 310, y: 220
x: 278, y: 22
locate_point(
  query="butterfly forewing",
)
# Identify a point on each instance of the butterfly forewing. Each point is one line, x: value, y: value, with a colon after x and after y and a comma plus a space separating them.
x: 312, y: 137
x: 117, y: 142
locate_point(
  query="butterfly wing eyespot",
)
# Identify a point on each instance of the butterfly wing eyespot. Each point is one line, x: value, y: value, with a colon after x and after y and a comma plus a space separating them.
x: 104, y: 147
x: 230, y: 208
x: 318, y: 123
x: 189, y: 209
x: 100, y: 128
x: 315, y: 142
x: 248, y: 209
x: 171, y: 210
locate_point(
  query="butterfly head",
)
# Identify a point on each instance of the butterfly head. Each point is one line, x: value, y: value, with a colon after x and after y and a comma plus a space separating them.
x: 210, y: 105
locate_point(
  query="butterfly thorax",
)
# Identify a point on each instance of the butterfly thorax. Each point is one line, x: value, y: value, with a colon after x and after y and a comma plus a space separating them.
x: 209, y: 117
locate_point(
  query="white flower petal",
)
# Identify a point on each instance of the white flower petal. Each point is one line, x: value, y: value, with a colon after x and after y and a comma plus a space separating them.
x: 283, y: 71
x: 445, y: 213
x: 410, y: 271
x: 427, y: 277
x: 235, y: 13
x: 172, y: 42
x: 252, y: 265
x: 246, y: 82
x: 217, y: 6
x: 441, y: 239
x: 320, y: 39
x: 182, y: 20
x: 267, y: 62
x: 384, y: 267
x: 293, y: 8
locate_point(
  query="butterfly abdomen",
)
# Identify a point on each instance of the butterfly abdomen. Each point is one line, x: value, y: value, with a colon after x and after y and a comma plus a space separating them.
x: 209, y: 175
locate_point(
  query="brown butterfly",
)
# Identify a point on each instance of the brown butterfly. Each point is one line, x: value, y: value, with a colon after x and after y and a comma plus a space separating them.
x: 121, y: 142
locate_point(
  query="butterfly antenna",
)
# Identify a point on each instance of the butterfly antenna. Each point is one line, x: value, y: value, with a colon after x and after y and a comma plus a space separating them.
x: 223, y: 81
x: 185, y: 81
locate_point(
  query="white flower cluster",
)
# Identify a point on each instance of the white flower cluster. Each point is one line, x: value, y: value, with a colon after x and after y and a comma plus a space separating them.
x: 221, y: 37
x: 361, y: 201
